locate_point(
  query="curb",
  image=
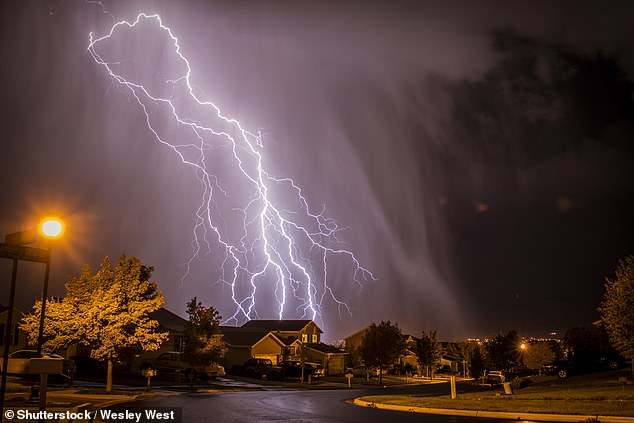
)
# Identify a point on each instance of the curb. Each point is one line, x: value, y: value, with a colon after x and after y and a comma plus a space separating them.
x: 492, y: 414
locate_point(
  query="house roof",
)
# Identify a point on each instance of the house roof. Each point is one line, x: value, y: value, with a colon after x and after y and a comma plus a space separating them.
x: 325, y: 348
x: 278, y: 325
x: 287, y: 340
x: 358, y: 332
x: 169, y: 320
x: 242, y: 338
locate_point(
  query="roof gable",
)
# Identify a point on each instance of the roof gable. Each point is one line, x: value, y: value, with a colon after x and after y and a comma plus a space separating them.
x: 359, y: 332
x: 279, y: 325
x: 242, y: 338
x: 169, y: 320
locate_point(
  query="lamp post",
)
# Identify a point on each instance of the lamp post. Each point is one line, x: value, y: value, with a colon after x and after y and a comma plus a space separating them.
x: 50, y: 229
x: 15, y: 249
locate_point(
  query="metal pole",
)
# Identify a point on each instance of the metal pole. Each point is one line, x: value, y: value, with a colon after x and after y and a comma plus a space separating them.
x: 7, y: 335
x: 40, y: 333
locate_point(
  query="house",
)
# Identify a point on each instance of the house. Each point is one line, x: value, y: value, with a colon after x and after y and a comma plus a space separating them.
x: 305, y: 330
x: 409, y: 357
x: 174, y: 325
x: 17, y: 337
x: 331, y: 358
x: 354, y: 341
x: 280, y: 340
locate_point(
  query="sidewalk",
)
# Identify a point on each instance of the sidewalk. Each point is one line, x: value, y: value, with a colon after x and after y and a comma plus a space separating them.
x: 492, y: 414
x: 78, y: 399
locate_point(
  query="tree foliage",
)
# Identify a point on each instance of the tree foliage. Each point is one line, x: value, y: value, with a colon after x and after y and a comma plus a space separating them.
x: 502, y: 351
x: 428, y: 350
x: 583, y: 341
x: 382, y: 345
x: 475, y: 359
x: 537, y: 354
x: 203, y: 342
x: 107, y: 311
x: 617, y: 308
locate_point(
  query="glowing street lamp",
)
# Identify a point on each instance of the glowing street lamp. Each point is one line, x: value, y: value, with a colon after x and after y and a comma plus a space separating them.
x: 51, y: 228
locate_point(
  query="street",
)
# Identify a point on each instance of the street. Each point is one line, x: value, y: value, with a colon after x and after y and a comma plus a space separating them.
x: 292, y: 406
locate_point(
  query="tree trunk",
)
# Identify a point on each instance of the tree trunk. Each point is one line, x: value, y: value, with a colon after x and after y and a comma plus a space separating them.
x: 109, y: 377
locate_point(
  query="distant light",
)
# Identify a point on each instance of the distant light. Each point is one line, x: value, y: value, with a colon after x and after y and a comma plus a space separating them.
x: 523, y: 346
x: 51, y: 227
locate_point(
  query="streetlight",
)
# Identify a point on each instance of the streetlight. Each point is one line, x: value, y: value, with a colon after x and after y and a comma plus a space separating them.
x: 50, y: 228
x: 14, y: 248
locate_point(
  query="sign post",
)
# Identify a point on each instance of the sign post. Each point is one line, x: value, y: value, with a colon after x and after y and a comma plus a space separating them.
x: 21, y: 252
x: 349, y: 375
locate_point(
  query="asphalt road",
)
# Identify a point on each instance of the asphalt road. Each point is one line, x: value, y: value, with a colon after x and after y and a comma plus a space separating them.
x: 317, y: 406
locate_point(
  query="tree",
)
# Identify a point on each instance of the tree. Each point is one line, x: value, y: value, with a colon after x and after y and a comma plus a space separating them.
x: 502, y: 351
x: 582, y: 343
x: 382, y: 345
x: 617, y: 308
x: 537, y: 354
x: 108, y: 312
x: 202, y: 338
x: 428, y: 350
x: 475, y: 360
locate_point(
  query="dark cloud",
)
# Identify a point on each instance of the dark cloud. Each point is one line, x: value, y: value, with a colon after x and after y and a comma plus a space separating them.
x: 480, y: 153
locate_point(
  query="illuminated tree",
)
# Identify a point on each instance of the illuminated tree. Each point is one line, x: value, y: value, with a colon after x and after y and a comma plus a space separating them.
x: 108, y: 312
x: 203, y: 342
x: 617, y: 308
x: 382, y: 345
x: 428, y: 351
x: 537, y: 354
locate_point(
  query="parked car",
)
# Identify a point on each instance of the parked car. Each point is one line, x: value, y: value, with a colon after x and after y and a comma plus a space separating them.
x: 173, y: 363
x: 495, y: 377
x: 363, y: 371
x: 293, y: 369
x: 317, y: 370
x: 19, y: 364
x: 262, y: 367
x: 85, y: 366
x: 585, y: 364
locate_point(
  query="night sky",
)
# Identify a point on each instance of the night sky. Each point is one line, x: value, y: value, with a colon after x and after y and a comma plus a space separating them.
x: 479, y: 156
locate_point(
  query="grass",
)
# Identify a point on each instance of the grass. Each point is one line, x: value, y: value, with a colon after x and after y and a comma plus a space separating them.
x: 596, y: 395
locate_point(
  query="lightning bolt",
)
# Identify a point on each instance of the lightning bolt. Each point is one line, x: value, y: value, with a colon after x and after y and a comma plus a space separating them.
x: 278, y: 244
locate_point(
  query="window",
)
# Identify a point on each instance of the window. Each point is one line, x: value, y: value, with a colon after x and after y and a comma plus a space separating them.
x: 292, y: 351
x: 304, y: 337
x: 178, y: 343
x: 314, y: 338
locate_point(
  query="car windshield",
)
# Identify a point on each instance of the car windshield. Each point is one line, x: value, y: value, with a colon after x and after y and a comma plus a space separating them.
x: 51, y: 355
